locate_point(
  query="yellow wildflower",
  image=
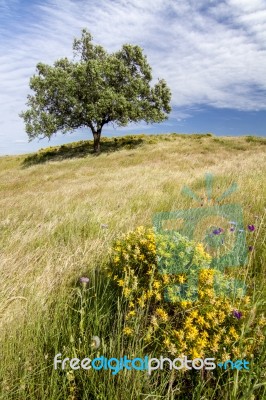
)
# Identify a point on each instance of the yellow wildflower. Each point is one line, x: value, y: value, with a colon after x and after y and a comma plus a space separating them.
x: 200, y: 247
x: 151, y: 247
x: 226, y: 356
x: 206, y: 276
x: 204, y: 334
x: 210, y: 315
x: 221, y: 316
x: 127, y: 331
x: 233, y: 333
x: 126, y: 292
x: 181, y: 279
x: 262, y: 321
x: 158, y: 296
x: 188, y: 322
x: 143, y: 241
x: 207, y: 325
x: 217, y: 337
x: 209, y: 293
x: 179, y: 334
x: 200, y: 320
x: 195, y: 353
x: 162, y: 314
x: 201, y: 294
x: 166, y: 278
x: 227, y: 341
x: 194, y: 314
x: 192, y: 333
x: 167, y: 342
x: 141, y: 301
x: 131, y: 314
x: 202, y: 342
x: 156, y: 284
x: 148, y: 337
x: 172, y: 349
x: 260, y: 338
x: 236, y: 352
x: 214, y: 347
x: 182, y: 345
x: 184, y: 303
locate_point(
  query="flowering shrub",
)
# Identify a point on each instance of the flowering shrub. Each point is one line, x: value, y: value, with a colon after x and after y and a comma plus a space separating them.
x: 144, y: 266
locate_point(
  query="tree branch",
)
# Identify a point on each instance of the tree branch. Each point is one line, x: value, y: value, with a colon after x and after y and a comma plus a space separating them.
x: 92, y: 127
x: 105, y: 121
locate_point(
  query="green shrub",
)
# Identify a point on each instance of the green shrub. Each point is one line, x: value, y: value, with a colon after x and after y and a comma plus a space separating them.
x: 208, y: 325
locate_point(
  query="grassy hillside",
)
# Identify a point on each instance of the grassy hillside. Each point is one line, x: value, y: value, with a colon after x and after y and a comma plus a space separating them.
x: 52, y: 206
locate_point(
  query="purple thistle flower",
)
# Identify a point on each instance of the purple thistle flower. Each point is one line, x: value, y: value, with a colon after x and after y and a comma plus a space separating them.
x: 217, y: 231
x: 237, y: 314
x: 250, y: 248
x: 232, y: 229
x: 251, y: 228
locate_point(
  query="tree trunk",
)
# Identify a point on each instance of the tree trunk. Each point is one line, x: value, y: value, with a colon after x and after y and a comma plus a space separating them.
x: 96, y: 144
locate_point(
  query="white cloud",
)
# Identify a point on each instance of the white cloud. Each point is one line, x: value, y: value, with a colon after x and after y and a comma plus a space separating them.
x: 209, y: 52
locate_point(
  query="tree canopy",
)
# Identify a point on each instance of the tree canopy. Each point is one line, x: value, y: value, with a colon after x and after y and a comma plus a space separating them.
x: 93, y: 89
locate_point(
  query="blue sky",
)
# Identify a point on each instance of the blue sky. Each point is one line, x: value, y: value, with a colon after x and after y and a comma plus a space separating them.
x: 211, y: 53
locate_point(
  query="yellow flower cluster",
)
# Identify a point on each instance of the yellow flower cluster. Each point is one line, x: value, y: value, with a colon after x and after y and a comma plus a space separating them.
x: 128, y: 331
x: 201, y: 252
x: 197, y: 327
x: 131, y: 314
x: 162, y: 314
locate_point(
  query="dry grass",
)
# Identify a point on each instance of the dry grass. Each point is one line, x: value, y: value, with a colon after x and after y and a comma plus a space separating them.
x: 51, y: 212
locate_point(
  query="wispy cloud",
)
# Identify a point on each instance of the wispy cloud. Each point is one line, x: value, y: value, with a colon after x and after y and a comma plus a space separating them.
x: 210, y: 52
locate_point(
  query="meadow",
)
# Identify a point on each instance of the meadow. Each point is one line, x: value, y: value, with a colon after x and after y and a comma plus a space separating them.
x: 61, y: 211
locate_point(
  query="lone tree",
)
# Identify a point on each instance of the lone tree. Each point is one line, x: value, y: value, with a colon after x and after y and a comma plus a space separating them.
x: 96, y: 89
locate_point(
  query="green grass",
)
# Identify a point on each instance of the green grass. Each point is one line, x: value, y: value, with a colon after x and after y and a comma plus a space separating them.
x: 52, y: 206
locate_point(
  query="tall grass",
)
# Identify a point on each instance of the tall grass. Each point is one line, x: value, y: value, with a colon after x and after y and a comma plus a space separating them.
x: 52, y: 208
